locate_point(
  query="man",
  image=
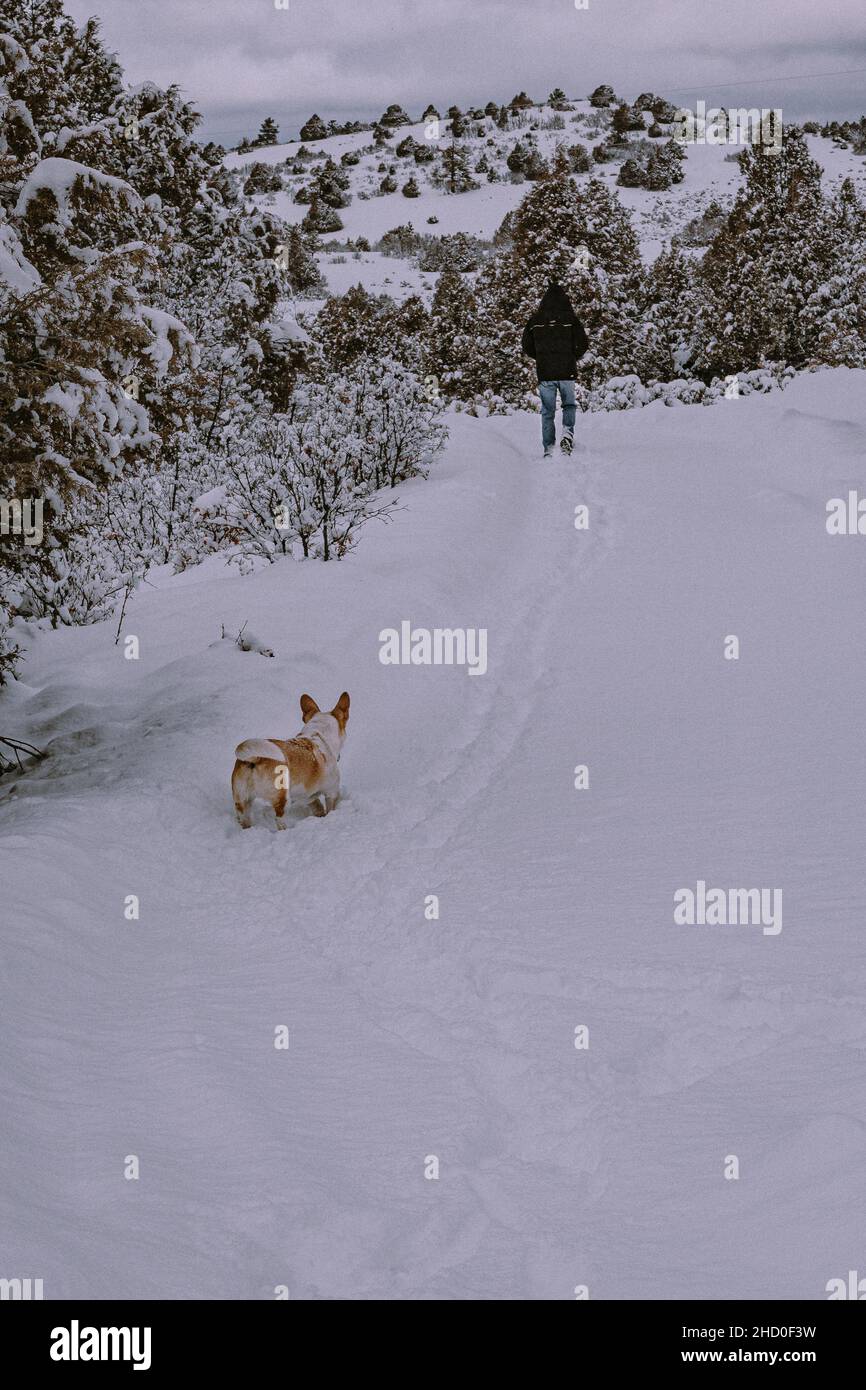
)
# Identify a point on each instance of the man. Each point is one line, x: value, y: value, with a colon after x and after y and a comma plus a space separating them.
x: 554, y: 336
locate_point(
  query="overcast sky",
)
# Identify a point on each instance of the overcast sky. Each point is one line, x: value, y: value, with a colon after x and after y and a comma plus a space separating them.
x: 238, y: 61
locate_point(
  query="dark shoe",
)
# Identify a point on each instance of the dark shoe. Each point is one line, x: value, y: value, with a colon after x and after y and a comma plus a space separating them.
x: 566, y: 443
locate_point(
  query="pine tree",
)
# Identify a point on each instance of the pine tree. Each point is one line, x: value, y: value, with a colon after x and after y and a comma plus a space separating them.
x: 314, y: 129
x: 450, y: 331
x: 761, y: 270
x: 602, y: 96
x: 331, y: 184
x: 298, y: 263
x: 833, y: 318
x: 457, y: 122
x: 269, y: 132
x: 321, y: 218
x: 349, y: 325
x: 670, y: 309
x: 453, y: 172
x: 664, y: 166
x: 394, y: 116
x: 622, y: 123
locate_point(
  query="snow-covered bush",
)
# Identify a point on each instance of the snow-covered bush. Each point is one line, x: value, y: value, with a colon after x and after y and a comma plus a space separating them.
x: 456, y: 251
x: 629, y: 392
x: 310, y: 479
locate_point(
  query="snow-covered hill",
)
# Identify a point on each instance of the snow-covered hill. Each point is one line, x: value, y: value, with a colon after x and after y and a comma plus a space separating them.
x: 455, y: 1037
x: 710, y: 174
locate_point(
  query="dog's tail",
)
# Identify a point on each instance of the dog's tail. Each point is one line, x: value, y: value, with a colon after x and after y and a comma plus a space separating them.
x: 256, y: 750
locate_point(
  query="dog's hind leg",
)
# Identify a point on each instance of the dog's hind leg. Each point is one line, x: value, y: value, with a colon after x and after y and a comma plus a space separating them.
x: 279, y: 803
x: 242, y: 794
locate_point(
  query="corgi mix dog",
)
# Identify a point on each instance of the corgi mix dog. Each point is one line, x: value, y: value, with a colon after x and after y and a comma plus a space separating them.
x: 300, y: 769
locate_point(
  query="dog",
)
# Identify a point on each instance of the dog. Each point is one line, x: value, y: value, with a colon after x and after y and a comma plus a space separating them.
x: 303, y: 769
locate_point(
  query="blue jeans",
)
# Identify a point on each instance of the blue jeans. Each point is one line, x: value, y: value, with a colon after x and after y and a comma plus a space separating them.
x: 547, y: 390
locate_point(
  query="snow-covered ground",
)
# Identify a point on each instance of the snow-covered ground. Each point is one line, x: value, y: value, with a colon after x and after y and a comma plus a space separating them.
x: 455, y: 1038
x: 708, y: 174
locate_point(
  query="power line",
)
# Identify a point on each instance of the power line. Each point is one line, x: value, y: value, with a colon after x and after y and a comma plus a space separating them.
x: 750, y: 82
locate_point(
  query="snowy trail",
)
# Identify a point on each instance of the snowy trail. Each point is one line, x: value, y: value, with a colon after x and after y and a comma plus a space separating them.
x: 455, y: 1037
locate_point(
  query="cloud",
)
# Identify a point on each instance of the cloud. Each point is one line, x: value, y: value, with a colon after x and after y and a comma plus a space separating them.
x: 233, y: 56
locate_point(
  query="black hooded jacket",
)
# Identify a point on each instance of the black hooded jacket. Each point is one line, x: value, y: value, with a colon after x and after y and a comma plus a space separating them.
x: 554, y: 336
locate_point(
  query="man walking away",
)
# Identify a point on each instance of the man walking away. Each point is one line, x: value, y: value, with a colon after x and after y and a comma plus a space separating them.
x: 554, y: 336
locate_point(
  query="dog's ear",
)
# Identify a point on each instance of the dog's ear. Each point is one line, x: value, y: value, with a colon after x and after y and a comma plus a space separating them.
x: 308, y: 707
x: 341, y: 709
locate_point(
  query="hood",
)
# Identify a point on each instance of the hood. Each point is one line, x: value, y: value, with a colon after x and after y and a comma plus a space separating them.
x: 556, y: 304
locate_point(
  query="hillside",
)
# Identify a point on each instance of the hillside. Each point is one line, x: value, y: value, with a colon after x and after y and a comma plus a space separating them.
x: 455, y: 1037
x: 711, y: 174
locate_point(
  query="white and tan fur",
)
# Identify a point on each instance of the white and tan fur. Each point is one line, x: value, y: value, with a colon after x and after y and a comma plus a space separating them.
x: 304, y: 769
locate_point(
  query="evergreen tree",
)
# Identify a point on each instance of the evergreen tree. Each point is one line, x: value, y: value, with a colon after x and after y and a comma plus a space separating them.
x: 622, y: 123
x: 350, y: 325
x: 321, y: 218
x: 602, y: 96
x: 664, y: 166
x: 269, y: 132
x: 579, y: 158
x: 775, y: 252
x: 834, y: 315
x: 457, y: 122
x: 394, y: 116
x: 314, y: 129
x: 262, y: 178
x: 670, y: 310
x: 331, y: 184
x: 453, y: 172
x: 296, y: 261
x: 450, y: 332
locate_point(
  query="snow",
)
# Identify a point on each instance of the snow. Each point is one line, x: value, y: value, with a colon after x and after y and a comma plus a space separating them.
x: 288, y: 330
x: 57, y: 177
x: 210, y: 501
x: 454, y: 1037
x: 709, y: 174
x: 16, y: 272
x: 165, y: 327
x: 379, y: 274
x: 69, y: 398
